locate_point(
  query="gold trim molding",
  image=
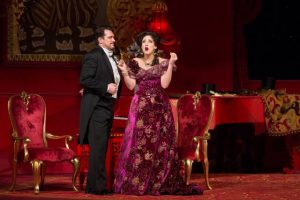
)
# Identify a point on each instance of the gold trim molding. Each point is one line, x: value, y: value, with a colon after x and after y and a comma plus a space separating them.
x: 45, y: 57
x: 127, y: 17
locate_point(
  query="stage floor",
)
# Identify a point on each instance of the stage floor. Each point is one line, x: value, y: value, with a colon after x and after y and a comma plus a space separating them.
x: 225, y: 187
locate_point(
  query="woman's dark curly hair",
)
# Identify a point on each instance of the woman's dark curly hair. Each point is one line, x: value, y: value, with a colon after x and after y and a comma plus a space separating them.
x: 154, y: 36
x: 156, y: 39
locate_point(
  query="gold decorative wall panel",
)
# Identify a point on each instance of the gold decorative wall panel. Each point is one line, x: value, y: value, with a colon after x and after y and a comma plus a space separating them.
x: 62, y: 30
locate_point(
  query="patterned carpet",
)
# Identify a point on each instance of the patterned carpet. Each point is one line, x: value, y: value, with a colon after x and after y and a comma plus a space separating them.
x: 225, y: 187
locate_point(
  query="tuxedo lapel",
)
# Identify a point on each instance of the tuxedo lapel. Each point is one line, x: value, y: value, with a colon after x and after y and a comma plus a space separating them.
x: 107, y: 64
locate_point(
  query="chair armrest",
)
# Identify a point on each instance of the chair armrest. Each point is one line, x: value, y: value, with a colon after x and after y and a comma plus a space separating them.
x: 206, y: 136
x: 25, y: 141
x: 67, y: 138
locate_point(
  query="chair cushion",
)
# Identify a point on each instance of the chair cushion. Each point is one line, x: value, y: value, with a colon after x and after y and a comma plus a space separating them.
x: 49, y: 154
x: 186, y: 153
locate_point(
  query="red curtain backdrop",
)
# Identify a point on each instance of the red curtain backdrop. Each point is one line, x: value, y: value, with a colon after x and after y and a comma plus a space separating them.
x: 244, y: 12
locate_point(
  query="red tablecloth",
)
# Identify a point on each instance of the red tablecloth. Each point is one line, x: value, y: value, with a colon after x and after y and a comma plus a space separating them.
x: 238, y: 109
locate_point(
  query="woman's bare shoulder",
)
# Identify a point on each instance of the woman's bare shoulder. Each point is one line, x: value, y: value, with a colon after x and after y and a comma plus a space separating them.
x: 137, y: 59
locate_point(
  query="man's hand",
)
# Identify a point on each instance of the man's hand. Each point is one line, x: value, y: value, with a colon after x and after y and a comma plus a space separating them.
x: 112, y: 88
x: 81, y: 91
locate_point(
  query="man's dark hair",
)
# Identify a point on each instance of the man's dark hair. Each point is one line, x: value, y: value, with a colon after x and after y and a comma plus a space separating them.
x: 99, y: 32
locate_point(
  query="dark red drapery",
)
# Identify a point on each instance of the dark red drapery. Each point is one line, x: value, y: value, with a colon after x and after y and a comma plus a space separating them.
x: 244, y: 12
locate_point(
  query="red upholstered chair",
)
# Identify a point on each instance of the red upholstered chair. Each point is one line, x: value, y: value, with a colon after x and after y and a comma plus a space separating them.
x: 27, y: 113
x: 194, y: 115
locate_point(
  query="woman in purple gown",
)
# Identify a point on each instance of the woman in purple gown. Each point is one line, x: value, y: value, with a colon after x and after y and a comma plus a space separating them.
x: 149, y: 161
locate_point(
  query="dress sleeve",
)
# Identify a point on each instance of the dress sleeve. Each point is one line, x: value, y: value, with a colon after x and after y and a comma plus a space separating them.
x: 133, y: 68
x: 164, y: 66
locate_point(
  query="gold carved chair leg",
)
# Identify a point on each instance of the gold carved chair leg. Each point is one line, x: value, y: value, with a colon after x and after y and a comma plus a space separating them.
x: 36, y: 168
x: 188, y: 164
x: 14, y: 175
x: 14, y: 166
x: 76, y: 165
x: 205, y: 163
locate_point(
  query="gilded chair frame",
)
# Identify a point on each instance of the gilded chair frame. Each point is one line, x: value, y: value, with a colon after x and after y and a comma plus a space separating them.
x: 200, y: 141
x: 38, y: 166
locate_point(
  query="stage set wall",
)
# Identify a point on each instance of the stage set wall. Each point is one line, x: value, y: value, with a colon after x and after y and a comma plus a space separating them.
x: 206, y: 56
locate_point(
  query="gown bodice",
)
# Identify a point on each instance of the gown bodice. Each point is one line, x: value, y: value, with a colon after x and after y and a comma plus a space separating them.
x: 148, y: 80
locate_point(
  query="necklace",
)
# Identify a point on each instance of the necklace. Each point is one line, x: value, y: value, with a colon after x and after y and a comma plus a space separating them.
x: 148, y: 63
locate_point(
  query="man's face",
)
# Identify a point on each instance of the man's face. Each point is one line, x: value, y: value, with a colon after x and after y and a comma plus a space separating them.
x: 108, y: 40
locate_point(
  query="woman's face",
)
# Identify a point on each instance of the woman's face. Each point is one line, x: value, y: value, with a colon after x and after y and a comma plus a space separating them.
x: 148, y: 45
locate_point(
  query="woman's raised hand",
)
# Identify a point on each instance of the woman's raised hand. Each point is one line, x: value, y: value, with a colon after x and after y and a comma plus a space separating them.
x: 123, y: 67
x: 173, y: 57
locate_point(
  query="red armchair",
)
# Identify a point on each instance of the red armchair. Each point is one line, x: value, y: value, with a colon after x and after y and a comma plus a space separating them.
x: 27, y: 113
x: 194, y: 115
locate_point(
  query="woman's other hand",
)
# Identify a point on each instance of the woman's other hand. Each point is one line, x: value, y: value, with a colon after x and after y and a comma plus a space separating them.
x: 173, y: 58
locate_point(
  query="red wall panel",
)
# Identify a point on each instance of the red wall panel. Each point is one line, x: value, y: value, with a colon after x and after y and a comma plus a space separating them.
x: 206, y: 32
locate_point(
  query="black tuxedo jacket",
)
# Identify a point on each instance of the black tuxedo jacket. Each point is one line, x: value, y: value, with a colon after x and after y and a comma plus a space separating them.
x: 96, y: 74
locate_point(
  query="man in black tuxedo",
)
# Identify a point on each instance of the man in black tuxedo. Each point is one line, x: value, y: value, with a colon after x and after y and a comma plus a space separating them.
x: 100, y: 80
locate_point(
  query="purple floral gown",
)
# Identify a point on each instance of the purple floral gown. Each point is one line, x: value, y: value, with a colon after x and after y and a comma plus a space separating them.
x: 148, y: 162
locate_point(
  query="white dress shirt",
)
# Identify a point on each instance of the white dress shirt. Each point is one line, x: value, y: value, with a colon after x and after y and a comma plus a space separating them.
x: 114, y: 68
